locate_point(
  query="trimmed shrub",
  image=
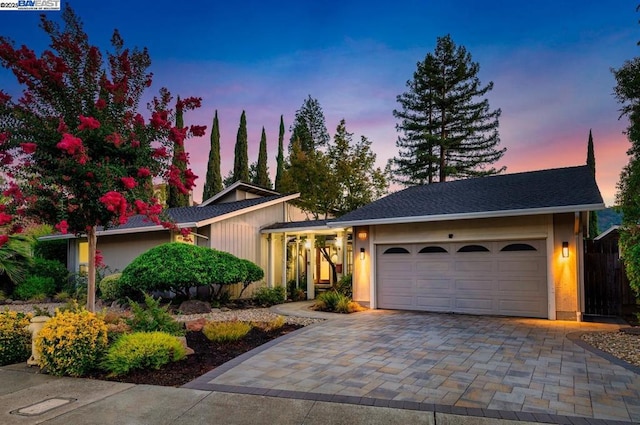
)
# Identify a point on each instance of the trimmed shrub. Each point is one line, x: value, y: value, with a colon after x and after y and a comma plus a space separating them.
x: 270, y: 296
x: 72, y: 342
x: 52, y: 269
x: 142, y: 350
x: 151, y: 317
x: 15, y: 338
x: 178, y: 267
x: 35, y: 288
x: 110, y: 287
x: 226, y: 331
x: 254, y: 274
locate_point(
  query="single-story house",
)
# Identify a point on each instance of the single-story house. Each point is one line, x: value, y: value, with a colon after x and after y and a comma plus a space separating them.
x: 502, y: 245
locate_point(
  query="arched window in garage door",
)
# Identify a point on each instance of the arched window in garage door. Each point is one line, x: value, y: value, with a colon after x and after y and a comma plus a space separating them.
x: 396, y: 250
x: 518, y: 247
x: 474, y: 248
x: 434, y: 249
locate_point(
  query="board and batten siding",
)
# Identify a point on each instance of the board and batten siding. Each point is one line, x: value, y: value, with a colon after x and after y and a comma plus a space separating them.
x: 120, y: 250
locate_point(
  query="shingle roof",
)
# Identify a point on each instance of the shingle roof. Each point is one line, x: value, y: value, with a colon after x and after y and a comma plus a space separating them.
x: 500, y: 195
x: 297, y: 224
x: 183, y: 215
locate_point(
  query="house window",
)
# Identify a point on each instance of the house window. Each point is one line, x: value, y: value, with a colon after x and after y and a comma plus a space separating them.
x: 518, y: 247
x: 396, y: 250
x: 473, y: 248
x: 432, y: 250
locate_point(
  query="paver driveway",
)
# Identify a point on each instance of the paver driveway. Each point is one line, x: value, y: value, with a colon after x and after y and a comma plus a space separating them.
x: 502, y: 364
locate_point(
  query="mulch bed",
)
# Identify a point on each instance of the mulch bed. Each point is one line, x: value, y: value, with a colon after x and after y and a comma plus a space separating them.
x: 208, y: 355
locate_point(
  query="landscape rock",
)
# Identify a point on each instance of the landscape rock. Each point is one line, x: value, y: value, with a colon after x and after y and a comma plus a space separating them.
x: 194, y: 307
x: 195, y: 325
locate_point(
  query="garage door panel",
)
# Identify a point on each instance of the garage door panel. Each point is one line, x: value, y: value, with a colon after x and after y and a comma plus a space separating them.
x: 510, y: 282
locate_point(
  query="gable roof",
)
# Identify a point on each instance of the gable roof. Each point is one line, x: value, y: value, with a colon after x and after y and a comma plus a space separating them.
x: 195, y: 216
x: 557, y: 190
x: 239, y: 185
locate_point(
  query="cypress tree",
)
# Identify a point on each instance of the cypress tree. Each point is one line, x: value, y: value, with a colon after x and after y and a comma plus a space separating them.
x: 448, y: 129
x: 176, y: 198
x: 241, y: 159
x: 591, y: 162
x: 262, y: 170
x: 213, y: 183
x: 280, y: 157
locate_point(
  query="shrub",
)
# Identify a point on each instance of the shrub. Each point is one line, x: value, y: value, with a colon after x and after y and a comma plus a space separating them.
x: 116, y: 325
x: 254, y: 274
x: 35, y: 287
x: 72, y: 342
x: 52, y: 269
x: 178, y: 267
x: 141, y: 350
x: 110, y: 287
x: 15, y: 338
x: 344, y: 286
x: 335, y: 302
x: 269, y: 296
x: 226, y: 331
x: 271, y: 325
x: 151, y: 317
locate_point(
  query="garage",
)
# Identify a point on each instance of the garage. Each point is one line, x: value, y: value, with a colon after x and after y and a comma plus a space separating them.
x: 506, y: 278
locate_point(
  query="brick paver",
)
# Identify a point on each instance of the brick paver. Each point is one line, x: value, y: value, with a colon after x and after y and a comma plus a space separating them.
x: 473, y: 362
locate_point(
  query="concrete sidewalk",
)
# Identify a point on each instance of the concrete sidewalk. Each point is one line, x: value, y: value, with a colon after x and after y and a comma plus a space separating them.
x: 28, y: 397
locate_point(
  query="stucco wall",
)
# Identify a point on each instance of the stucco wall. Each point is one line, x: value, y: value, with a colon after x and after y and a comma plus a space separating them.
x: 565, y: 274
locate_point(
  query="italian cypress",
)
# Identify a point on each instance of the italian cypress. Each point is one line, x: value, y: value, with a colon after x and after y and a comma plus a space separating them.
x: 241, y: 159
x: 591, y: 162
x: 213, y: 183
x: 280, y: 157
x: 262, y: 170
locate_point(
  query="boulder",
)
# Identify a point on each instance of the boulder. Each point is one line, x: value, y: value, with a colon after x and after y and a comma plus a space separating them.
x: 194, y: 307
x: 195, y: 325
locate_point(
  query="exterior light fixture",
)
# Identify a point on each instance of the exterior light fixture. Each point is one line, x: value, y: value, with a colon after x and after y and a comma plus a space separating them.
x: 362, y: 235
x: 565, y: 249
x: 338, y: 241
x: 307, y: 244
x: 362, y: 253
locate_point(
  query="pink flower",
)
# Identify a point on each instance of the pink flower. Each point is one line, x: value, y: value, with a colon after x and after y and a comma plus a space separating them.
x: 160, y: 153
x: 99, y: 259
x: 62, y: 127
x: 177, y: 135
x: 159, y: 120
x: 198, y: 130
x: 88, y: 123
x: 63, y: 226
x: 5, y: 218
x: 28, y: 147
x: 101, y: 104
x: 70, y: 144
x: 141, y: 207
x: 144, y: 172
x: 138, y: 119
x: 3, y: 239
x: 115, y: 139
x: 128, y: 182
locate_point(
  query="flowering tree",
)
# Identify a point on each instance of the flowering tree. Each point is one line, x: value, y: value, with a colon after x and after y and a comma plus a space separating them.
x: 74, y: 150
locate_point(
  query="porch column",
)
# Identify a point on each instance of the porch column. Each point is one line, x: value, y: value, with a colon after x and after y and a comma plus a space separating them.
x: 283, y: 279
x: 311, y: 266
x: 271, y: 260
x: 341, y: 253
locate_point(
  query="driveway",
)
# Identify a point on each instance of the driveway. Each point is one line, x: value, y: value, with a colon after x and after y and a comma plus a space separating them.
x: 483, y: 366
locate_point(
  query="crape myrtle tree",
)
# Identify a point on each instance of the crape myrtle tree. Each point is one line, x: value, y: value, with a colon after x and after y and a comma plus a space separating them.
x: 448, y: 130
x: 177, y: 196
x: 627, y: 92
x: 75, y: 150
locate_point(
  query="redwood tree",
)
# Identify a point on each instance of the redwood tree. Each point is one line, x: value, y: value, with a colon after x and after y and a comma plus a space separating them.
x: 74, y: 149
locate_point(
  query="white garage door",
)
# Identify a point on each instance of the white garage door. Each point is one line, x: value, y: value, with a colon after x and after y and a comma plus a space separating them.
x: 506, y: 278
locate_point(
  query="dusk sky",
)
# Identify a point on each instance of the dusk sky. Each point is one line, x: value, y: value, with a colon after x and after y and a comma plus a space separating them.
x: 550, y: 62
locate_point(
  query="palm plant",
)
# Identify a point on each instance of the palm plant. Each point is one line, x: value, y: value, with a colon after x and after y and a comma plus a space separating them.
x: 16, y: 257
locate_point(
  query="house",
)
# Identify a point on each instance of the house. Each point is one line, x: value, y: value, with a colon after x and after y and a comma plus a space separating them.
x: 502, y: 245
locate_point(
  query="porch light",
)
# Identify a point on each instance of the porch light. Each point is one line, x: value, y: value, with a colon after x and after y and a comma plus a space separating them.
x: 565, y: 249
x: 338, y: 241
x: 307, y: 244
x: 362, y: 235
x: 362, y: 253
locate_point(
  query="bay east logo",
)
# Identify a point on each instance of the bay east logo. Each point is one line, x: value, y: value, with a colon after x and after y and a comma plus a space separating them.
x: 30, y: 5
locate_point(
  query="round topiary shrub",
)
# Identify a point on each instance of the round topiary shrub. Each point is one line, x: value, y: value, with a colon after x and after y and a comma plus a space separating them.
x: 141, y: 350
x: 110, y: 288
x: 15, y: 339
x: 72, y: 342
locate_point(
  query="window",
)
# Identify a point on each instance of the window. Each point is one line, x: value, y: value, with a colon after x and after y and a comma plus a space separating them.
x: 432, y: 250
x: 473, y: 248
x: 518, y: 247
x: 396, y: 250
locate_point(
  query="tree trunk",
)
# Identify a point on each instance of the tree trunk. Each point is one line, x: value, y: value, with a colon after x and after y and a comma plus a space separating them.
x: 92, y: 240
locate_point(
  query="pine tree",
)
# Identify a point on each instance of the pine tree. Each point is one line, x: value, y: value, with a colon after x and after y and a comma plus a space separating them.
x: 280, y: 157
x: 591, y: 162
x: 448, y: 129
x: 213, y: 183
x: 176, y: 197
x: 262, y: 170
x: 241, y: 159
x: 309, y: 127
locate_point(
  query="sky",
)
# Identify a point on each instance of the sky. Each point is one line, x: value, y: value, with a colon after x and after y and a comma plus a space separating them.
x: 550, y: 62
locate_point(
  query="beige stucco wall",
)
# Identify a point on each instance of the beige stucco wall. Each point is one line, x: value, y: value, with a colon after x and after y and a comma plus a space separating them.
x: 562, y: 272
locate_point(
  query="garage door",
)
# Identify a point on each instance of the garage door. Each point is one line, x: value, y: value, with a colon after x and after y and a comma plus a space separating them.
x: 499, y: 278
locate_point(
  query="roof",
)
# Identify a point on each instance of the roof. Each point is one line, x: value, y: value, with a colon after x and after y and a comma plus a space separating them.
x: 296, y: 226
x: 246, y: 187
x: 613, y: 230
x: 195, y: 216
x: 557, y: 190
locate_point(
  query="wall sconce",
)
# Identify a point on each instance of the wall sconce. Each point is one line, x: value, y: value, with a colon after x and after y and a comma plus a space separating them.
x: 338, y: 242
x: 362, y: 235
x: 565, y: 249
x: 307, y: 244
x: 362, y: 253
